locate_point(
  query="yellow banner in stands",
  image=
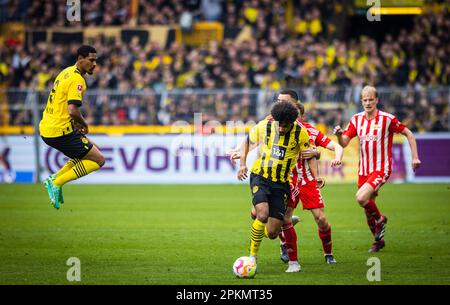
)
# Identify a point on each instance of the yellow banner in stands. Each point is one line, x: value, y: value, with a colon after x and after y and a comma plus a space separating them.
x: 201, y: 34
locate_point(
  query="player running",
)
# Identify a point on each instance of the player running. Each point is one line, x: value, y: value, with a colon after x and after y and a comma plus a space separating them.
x: 281, y: 140
x: 305, y: 187
x: 375, y: 130
x: 64, y: 128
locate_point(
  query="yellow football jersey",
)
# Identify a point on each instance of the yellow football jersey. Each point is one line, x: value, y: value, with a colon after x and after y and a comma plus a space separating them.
x: 68, y: 88
x: 278, y: 153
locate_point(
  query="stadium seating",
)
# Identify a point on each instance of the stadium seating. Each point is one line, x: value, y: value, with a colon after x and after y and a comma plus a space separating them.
x: 295, y: 44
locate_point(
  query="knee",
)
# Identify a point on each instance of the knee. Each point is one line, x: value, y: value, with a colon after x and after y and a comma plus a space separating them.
x: 361, y: 199
x: 101, y: 160
x: 273, y: 233
x: 263, y: 217
x: 322, y: 222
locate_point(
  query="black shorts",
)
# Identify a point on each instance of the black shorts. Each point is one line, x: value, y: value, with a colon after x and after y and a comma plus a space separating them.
x: 276, y: 194
x: 74, y: 145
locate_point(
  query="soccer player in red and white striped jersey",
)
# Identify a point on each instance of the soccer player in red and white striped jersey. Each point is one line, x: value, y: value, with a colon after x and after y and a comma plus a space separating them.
x: 375, y: 130
x: 305, y: 188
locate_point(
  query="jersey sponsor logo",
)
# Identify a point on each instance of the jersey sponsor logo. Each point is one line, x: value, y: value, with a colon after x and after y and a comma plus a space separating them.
x: 80, y: 88
x: 368, y: 138
x: 278, y: 152
x: 255, y: 189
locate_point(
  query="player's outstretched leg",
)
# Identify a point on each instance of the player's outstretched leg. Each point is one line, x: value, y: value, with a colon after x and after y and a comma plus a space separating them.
x: 90, y: 163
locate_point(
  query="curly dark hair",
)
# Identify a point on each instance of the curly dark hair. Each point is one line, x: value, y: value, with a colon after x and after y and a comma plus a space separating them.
x: 284, y: 112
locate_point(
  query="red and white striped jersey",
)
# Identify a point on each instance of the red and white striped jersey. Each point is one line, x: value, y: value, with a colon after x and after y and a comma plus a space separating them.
x: 375, y: 140
x: 318, y: 139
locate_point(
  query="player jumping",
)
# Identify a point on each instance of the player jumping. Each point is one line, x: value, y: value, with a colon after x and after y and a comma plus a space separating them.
x: 64, y: 128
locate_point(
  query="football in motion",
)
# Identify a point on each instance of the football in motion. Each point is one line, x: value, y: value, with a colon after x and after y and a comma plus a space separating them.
x: 244, y: 267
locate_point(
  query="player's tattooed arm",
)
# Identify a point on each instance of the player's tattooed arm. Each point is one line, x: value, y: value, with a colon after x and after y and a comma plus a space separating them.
x: 79, y: 122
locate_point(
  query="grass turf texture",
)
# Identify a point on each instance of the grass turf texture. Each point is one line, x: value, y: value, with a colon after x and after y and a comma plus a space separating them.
x: 153, y: 234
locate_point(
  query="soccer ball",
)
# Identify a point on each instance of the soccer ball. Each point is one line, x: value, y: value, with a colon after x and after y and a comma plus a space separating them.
x: 244, y: 267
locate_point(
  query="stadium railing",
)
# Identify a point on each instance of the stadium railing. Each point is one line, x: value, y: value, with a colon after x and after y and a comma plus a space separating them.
x: 151, y: 111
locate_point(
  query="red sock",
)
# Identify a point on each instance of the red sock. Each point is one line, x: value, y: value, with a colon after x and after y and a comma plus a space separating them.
x: 372, y: 209
x: 327, y: 244
x: 370, y: 222
x: 290, y: 237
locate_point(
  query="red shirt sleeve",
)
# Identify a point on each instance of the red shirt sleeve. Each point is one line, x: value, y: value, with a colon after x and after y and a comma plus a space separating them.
x: 396, y: 126
x: 322, y: 140
x: 351, y: 129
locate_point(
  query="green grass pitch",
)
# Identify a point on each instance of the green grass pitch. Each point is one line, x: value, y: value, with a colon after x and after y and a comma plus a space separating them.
x: 191, y: 234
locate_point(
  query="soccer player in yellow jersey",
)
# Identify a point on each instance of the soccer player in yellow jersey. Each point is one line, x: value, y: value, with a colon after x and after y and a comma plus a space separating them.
x: 281, y: 140
x: 64, y: 128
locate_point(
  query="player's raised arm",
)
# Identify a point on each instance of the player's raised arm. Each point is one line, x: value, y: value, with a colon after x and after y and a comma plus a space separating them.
x: 413, y: 145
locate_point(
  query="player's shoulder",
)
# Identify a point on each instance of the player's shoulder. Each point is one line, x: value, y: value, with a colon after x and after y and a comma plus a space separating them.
x: 72, y: 73
x: 386, y: 114
x: 261, y: 124
x: 359, y: 114
x: 302, y: 128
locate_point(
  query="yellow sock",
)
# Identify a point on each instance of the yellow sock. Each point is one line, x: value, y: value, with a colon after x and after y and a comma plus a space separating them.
x: 266, y: 234
x: 256, y: 236
x: 81, y: 169
x: 71, y: 163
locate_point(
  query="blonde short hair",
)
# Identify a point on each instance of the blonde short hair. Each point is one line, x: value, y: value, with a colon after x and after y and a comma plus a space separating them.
x: 370, y: 89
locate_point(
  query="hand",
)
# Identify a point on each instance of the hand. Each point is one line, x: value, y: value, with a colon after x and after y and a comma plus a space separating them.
x: 310, y: 153
x: 81, y: 128
x: 415, y: 163
x: 242, y: 173
x: 320, y: 182
x: 84, y: 130
x: 234, y: 155
x: 338, y: 130
x: 336, y: 163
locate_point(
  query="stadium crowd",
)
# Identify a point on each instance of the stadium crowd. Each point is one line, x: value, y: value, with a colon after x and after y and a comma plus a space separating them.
x: 306, y: 55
